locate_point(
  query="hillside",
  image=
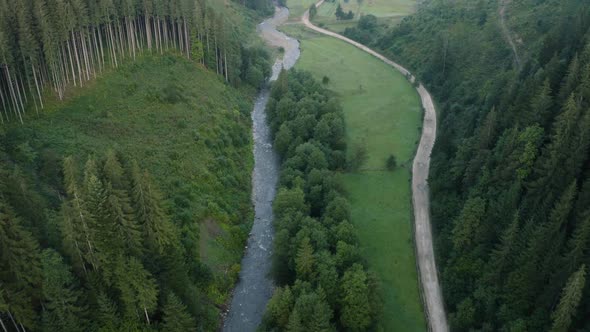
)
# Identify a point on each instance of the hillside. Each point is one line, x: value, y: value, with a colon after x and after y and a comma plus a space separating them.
x: 125, y: 161
x: 509, y: 180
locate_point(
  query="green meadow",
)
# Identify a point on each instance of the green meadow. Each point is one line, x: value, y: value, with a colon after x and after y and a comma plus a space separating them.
x: 383, y: 115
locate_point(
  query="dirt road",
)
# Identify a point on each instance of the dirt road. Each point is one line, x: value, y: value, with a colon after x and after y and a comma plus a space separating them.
x: 432, y: 295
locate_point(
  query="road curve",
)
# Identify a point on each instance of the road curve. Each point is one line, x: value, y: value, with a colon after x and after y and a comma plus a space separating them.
x: 432, y: 295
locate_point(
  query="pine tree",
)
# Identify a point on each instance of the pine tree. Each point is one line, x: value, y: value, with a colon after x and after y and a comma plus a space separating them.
x: 126, y: 236
x: 138, y: 289
x: 468, y: 223
x: 502, y: 256
x: 278, y: 309
x: 541, y: 105
x: 570, y: 299
x: 176, y: 318
x: 107, y: 318
x: 60, y: 299
x: 19, y: 266
x: 355, y: 315
x: 304, y: 262
x: 157, y: 230
x: 77, y: 221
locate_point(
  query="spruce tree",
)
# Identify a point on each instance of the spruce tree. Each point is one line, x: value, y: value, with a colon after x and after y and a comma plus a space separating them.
x: 139, y: 291
x: 62, y: 311
x: 176, y: 318
x: 570, y: 299
x: 156, y: 227
x: 304, y: 262
x: 355, y: 309
x: 20, y: 268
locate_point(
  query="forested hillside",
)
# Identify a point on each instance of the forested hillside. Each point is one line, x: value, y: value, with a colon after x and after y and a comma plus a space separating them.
x: 125, y: 161
x: 510, y: 180
x: 47, y: 46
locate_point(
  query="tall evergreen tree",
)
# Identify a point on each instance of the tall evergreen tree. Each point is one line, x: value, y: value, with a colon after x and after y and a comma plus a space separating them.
x: 156, y: 227
x: 176, y: 318
x: 62, y: 311
x: 570, y: 299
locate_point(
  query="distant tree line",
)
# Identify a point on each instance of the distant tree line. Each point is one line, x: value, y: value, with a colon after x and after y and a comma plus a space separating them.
x: 323, y: 283
x: 510, y: 180
x: 47, y: 46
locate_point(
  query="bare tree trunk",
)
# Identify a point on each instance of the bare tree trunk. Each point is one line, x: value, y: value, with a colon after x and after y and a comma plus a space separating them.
x: 166, y: 32
x: 2, y: 324
x: 85, y: 55
x: 120, y: 34
x: 100, y: 45
x: 13, y: 322
x: 147, y: 317
x: 216, y: 54
x: 4, y: 106
x: 225, y: 62
x: 113, y: 47
x: 18, y: 90
x: 15, y: 106
x: 37, y: 85
x: 96, y: 52
x: 148, y: 33
x: 77, y: 58
x: 188, y: 44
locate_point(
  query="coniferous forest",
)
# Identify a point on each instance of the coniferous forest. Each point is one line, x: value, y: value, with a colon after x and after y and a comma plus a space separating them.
x: 112, y: 113
x: 510, y: 180
x: 54, y: 44
x: 126, y: 163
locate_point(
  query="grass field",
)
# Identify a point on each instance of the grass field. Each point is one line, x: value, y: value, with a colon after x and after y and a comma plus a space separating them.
x: 388, y: 12
x: 382, y: 112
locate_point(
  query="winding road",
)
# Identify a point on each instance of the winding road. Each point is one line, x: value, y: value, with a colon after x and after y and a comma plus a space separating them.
x: 431, y: 291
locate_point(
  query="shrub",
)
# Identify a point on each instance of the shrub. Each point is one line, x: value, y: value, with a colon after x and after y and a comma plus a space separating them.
x: 391, y: 163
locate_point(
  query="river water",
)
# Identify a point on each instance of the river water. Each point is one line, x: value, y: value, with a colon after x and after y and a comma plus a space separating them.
x: 255, y: 287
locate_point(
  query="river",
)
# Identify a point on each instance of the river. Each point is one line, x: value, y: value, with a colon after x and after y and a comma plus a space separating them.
x: 255, y: 287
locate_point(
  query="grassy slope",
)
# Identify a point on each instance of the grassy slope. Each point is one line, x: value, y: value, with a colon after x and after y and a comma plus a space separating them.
x: 182, y: 123
x: 383, y: 111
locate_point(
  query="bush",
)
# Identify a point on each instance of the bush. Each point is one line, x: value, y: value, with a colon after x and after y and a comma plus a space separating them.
x: 391, y: 163
x: 325, y: 80
x: 358, y: 157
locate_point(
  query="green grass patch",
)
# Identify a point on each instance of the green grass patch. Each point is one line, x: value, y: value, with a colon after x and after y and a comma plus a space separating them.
x: 180, y: 122
x: 298, y: 7
x: 383, y: 113
x: 388, y: 12
x: 381, y: 215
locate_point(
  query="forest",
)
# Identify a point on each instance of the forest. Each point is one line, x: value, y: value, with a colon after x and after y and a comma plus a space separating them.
x: 510, y: 180
x: 324, y: 285
x: 125, y: 161
x: 48, y: 46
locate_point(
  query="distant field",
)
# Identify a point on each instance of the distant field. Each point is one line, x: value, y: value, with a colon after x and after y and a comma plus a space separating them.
x: 298, y: 7
x: 382, y: 112
x: 389, y: 12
